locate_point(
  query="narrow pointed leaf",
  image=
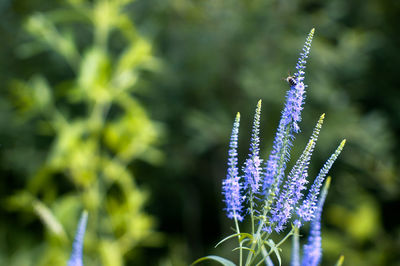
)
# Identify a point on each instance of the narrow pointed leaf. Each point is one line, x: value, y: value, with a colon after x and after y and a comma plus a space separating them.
x: 246, y: 248
x: 242, y: 236
x: 219, y: 259
x: 275, y: 249
x: 49, y: 220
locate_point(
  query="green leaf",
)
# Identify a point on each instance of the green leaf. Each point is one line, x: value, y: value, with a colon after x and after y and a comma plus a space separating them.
x: 275, y: 249
x: 221, y: 260
x: 246, y: 248
x: 242, y: 237
x: 49, y: 220
x: 245, y: 240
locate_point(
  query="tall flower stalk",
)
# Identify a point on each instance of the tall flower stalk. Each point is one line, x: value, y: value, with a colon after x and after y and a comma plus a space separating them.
x: 288, y: 125
x: 274, y: 198
x: 252, y: 169
x: 232, y: 189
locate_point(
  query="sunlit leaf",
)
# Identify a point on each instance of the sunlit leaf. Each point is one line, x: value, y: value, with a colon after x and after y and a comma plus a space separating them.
x: 340, y: 261
x: 48, y: 218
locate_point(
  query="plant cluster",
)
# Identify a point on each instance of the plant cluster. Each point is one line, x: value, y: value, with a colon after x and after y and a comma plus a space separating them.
x: 271, y: 196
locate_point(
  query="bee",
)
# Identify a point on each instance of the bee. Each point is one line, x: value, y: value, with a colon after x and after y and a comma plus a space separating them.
x: 291, y: 80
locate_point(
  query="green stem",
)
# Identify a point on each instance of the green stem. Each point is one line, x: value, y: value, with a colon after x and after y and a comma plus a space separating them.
x: 251, y: 213
x: 240, y: 242
x: 284, y: 239
x: 266, y: 255
x: 255, y: 241
x: 295, y: 248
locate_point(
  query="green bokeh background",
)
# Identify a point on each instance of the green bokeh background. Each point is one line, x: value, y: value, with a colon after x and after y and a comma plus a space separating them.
x: 125, y: 108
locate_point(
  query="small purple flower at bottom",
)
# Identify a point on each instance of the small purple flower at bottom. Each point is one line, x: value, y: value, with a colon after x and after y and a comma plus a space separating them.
x: 312, y: 251
x: 77, y: 246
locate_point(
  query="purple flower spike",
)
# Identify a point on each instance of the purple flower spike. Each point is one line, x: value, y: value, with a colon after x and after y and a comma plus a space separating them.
x: 77, y: 246
x: 231, y: 186
x: 300, y: 66
x: 307, y: 210
x: 255, y: 139
x: 295, y: 183
x: 294, y: 105
x: 312, y: 251
x: 252, y: 174
x: 252, y: 168
x: 288, y: 125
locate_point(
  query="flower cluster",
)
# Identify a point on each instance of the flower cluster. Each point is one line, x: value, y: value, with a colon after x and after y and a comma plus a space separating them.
x: 288, y: 125
x: 291, y: 192
x: 280, y: 196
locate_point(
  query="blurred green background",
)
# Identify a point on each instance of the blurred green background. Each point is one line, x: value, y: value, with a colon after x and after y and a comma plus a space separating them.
x: 124, y: 108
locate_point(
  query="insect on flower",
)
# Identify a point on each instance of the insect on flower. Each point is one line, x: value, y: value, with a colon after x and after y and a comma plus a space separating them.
x: 291, y: 80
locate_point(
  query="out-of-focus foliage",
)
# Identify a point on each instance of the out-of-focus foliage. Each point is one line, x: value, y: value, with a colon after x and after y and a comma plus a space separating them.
x: 219, y: 57
x: 92, y: 126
